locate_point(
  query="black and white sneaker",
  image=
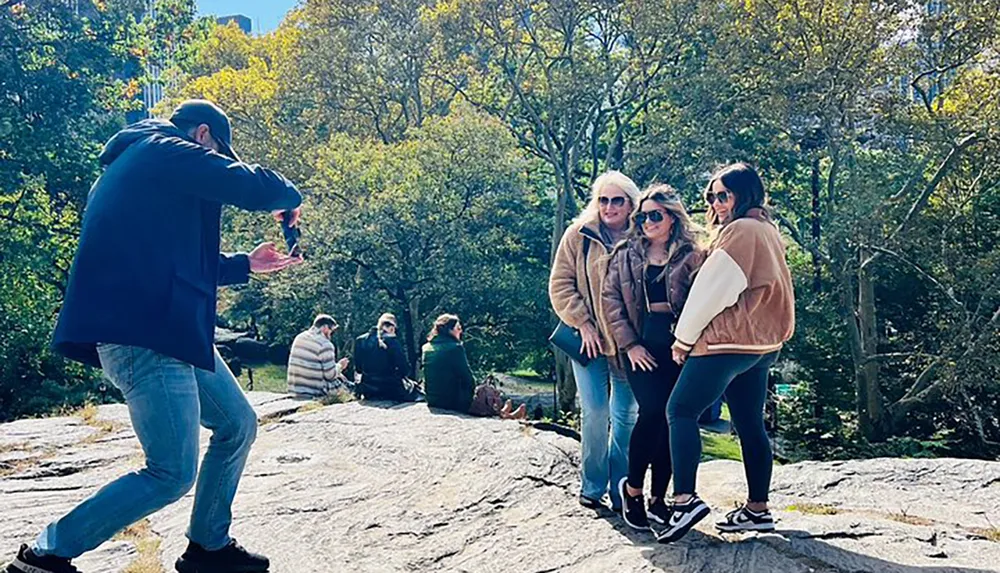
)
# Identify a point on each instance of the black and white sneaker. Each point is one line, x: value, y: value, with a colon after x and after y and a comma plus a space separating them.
x: 230, y: 559
x: 659, y: 511
x: 744, y: 519
x: 27, y: 562
x: 591, y: 503
x: 682, y: 519
x: 633, y: 508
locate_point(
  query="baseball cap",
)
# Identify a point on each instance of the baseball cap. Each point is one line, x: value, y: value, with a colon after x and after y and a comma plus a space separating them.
x: 199, y: 111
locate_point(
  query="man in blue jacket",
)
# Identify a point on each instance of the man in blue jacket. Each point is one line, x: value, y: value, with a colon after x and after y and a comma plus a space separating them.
x: 140, y: 304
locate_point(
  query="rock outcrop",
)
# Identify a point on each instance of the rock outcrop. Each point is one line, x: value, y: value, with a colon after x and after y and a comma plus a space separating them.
x: 373, y: 487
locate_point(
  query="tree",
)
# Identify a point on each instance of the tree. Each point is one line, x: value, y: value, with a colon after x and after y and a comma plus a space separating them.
x: 439, y: 222
x: 885, y: 162
x: 568, y: 79
x: 61, y: 94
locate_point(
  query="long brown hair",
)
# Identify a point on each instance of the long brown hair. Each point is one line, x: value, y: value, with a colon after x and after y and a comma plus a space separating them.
x: 443, y: 324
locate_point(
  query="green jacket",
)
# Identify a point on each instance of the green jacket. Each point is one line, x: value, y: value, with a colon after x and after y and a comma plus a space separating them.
x: 448, y: 379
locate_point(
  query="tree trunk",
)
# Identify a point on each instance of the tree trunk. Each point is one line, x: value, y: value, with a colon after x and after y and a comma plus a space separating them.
x: 874, y: 424
x: 848, y: 307
x: 409, y: 334
x: 565, y: 382
x: 817, y: 268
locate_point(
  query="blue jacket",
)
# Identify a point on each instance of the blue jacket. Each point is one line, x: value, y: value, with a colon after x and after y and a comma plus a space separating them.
x: 148, y: 262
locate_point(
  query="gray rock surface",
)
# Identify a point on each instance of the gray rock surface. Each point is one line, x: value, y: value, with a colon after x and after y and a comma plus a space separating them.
x: 372, y: 487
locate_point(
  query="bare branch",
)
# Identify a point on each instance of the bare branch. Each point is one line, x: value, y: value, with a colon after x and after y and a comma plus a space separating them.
x: 948, y: 293
x: 894, y: 355
x: 794, y: 233
x: 939, y: 174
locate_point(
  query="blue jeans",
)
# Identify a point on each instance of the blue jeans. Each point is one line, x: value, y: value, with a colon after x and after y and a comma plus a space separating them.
x: 601, y: 410
x: 167, y: 401
x: 704, y: 379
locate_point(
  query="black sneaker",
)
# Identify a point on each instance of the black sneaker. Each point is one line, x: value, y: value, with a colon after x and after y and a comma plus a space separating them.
x: 744, y: 519
x: 590, y: 503
x: 633, y: 508
x: 27, y: 562
x: 682, y: 519
x: 230, y: 559
x: 659, y: 511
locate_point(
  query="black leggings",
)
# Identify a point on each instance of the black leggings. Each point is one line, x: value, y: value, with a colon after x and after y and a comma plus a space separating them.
x: 650, y: 442
x: 743, y: 379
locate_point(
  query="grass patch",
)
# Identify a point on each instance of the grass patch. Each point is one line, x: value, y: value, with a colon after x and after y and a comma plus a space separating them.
x: 14, y: 447
x: 910, y: 519
x: 15, y: 467
x: 720, y: 447
x: 309, y: 407
x: 813, y: 509
x: 988, y: 533
x: 90, y: 415
x: 269, y: 378
x: 527, y: 373
x: 339, y: 396
x: 147, y: 543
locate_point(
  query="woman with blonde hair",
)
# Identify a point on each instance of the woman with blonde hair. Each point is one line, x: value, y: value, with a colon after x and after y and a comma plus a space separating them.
x: 381, y: 365
x: 575, y: 290
x: 649, y: 276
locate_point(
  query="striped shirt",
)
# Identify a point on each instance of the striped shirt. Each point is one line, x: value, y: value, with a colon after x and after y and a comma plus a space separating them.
x: 312, y: 365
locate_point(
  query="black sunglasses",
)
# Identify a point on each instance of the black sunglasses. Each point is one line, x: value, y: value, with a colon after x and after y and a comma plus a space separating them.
x: 654, y: 216
x: 721, y: 197
x: 614, y: 201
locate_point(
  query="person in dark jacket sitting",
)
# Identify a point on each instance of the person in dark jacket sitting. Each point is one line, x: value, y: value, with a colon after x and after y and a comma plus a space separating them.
x: 448, y: 378
x: 140, y: 303
x: 380, y: 365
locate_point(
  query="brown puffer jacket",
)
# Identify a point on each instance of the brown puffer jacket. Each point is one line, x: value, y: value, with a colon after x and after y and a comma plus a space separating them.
x: 623, y: 296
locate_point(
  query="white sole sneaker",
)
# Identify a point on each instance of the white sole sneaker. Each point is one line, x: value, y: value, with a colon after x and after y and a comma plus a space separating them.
x: 682, y: 522
x: 738, y: 527
x: 747, y: 527
x: 623, y: 492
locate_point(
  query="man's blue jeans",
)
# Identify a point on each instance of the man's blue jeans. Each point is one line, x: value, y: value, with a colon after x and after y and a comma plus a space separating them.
x: 601, y: 409
x: 167, y: 400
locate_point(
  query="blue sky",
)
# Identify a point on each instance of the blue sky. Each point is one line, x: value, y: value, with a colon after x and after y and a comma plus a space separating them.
x: 266, y: 14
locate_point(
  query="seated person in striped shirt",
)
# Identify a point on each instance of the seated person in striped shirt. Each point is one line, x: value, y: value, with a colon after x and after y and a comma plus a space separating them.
x: 313, y: 369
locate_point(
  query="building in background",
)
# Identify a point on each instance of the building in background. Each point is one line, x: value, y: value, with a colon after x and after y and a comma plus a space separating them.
x: 153, y: 90
x: 242, y: 22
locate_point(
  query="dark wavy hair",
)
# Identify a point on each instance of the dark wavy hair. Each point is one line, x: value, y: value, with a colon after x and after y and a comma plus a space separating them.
x: 743, y: 181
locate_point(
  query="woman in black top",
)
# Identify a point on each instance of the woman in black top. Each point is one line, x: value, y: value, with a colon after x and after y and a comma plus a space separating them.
x: 648, y: 279
x: 382, y: 365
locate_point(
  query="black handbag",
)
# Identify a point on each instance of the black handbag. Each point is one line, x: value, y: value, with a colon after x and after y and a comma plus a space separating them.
x: 566, y: 338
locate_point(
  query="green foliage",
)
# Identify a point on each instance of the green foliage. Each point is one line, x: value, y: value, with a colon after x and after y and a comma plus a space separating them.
x: 444, y: 145
x: 61, y: 97
x: 439, y: 222
x: 720, y: 447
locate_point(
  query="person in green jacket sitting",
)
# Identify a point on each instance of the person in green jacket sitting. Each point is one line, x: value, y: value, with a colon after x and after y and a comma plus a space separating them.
x: 448, y: 380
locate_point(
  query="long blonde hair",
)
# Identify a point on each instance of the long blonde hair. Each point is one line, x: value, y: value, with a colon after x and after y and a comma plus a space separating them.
x: 386, y: 318
x: 616, y: 178
x: 683, y: 232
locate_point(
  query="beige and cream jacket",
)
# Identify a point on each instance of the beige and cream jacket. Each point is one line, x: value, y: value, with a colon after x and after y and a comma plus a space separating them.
x: 742, y: 300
